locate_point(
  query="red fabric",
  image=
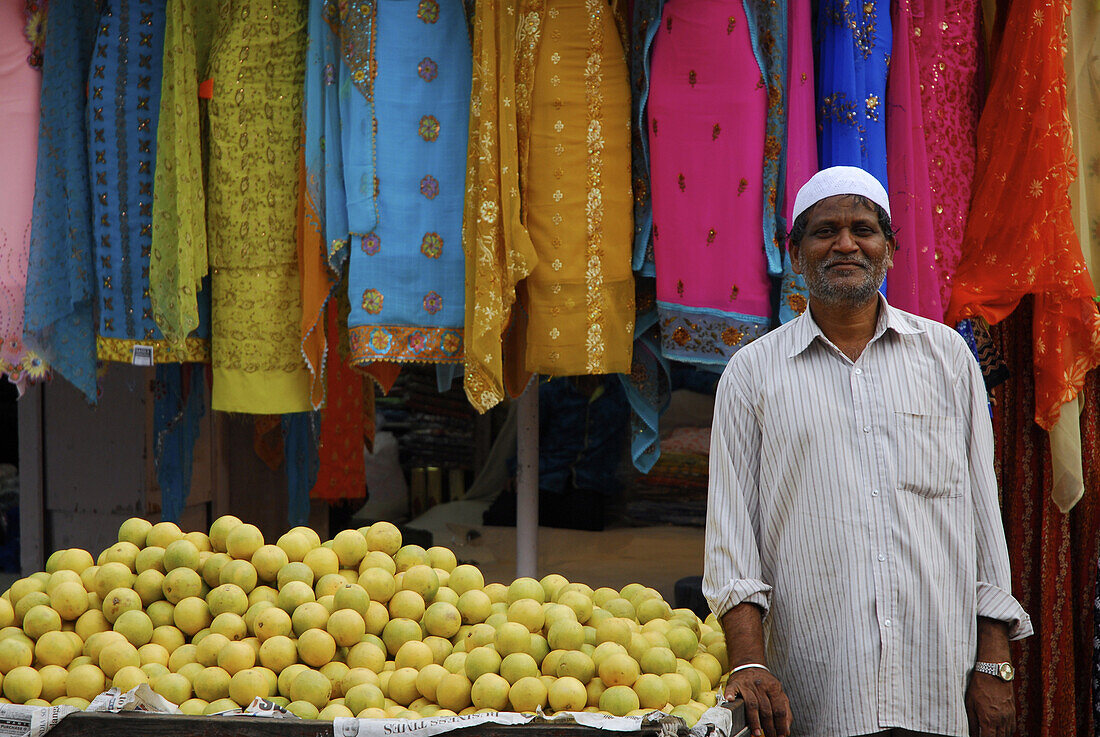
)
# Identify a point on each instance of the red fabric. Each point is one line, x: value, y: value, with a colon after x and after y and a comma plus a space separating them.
x: 1053, y: 554
x: 341, y: 473
x: 1019, y: 237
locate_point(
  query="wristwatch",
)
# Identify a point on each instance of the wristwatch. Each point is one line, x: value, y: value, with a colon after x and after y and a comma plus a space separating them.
x: 1004, y: 671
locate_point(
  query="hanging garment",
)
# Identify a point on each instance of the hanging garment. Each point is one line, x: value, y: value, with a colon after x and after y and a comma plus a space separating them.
x: 178, y: 261
x: 322, y: 205
x: 575, y: 178
x: 560, y: 210
x: 20, y: 88
x: 707, y: 144
x: 123, y: 111
x: 1019, y: 236
x: 59, y: 321
x: 498, y: 249
x: 854, y: 42
x: 914, y: 278
x: 945, y: 40
x: 255, y: 116
x: 405, y: 121
x: 801, y: 146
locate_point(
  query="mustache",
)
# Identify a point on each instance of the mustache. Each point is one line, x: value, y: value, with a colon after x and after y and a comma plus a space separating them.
x: 847, y: 260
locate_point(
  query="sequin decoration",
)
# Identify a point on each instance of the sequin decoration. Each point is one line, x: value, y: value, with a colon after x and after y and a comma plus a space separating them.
x: 432, y: 245
x: 372, y: 244
x: 427, y: 69
x: 372, y: 301
x: 429, y: 187
x: 428, y: 11
x: 330, y: 74
x: 433, y: 303
x: 429, y: 128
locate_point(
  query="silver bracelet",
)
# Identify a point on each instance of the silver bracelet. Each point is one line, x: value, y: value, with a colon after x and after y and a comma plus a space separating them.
x: 746, y: 666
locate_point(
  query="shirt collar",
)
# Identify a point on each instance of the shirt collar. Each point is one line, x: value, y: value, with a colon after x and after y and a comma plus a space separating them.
x: 805, y: 329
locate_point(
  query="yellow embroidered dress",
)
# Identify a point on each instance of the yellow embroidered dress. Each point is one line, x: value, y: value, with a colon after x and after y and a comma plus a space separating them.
x: 257, y: 63
x: 552, y: 228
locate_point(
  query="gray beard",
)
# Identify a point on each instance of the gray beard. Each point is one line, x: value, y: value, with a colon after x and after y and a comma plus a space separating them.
x: 830, y: 292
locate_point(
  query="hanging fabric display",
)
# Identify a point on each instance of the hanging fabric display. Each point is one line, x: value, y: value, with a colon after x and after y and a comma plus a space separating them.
x: 405, y: 120
x: 854, y: 42
x: 178, y: 260
x: 1019, y: 237
x: 122, y: 115
x: 548, y: 191
x: 575, y: 176
x: 707, y: 138
x: 499, y: 253
x: 254, y: 114
x: 946, y: 41
x: 914, y: 278
x: 20, y: 88
x: 59, y: 321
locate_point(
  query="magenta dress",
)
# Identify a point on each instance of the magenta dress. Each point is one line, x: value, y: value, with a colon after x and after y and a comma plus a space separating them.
x: 707, y: 112
x: 914, y: 280
x: 20, y: 84
x: 801, y: 142
x: 945, y: 38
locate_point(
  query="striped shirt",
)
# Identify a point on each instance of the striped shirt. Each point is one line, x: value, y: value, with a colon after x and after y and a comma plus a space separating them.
x: 856, y: 503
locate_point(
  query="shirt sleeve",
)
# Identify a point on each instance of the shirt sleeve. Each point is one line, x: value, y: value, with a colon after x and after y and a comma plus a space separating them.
x: 994, y: 574
x: 732, y: 571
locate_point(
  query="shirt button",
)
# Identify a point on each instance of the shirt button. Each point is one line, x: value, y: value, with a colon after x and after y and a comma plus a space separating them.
x: 881, y: 557
x: 866, y: 428
x: 874, y: 492
x: 858, y: 371
x: 886, y: 623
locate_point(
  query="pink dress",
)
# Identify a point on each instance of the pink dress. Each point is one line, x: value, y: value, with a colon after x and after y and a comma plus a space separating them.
x: 801, y: 142
x: 914, y: 280
x: 944, y: 36
x: 20, y: 84
x: 707, y: 112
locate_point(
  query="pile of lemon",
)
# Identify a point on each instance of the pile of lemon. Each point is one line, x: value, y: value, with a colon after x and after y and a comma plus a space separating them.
x: 360, y: 625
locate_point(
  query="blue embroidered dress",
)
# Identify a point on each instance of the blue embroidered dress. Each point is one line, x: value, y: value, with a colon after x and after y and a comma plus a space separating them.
x: 123, y: 109
x: 405, y: 120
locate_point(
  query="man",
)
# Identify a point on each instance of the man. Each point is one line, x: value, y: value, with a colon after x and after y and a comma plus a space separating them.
x: 855, y: 553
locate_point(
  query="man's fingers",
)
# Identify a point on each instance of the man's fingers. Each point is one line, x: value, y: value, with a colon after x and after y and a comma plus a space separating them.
x: 751, y: 697
x: 767, y: 721
x: 781, y: 712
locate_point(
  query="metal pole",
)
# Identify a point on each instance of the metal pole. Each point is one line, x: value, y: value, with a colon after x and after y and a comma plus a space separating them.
x: 527, y: 481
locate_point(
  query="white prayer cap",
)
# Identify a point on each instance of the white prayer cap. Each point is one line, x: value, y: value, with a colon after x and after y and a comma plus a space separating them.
x: 839, y: 180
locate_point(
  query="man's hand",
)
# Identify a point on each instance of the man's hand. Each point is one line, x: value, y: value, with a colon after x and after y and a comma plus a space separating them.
x: 766, y: 707
x: 989, y: 706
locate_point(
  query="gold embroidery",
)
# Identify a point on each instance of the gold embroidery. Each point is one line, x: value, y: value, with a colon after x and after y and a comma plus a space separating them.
x: 593, y: 274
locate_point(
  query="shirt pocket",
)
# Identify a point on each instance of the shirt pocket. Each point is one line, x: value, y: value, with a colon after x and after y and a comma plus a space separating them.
x: 930, y: 454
